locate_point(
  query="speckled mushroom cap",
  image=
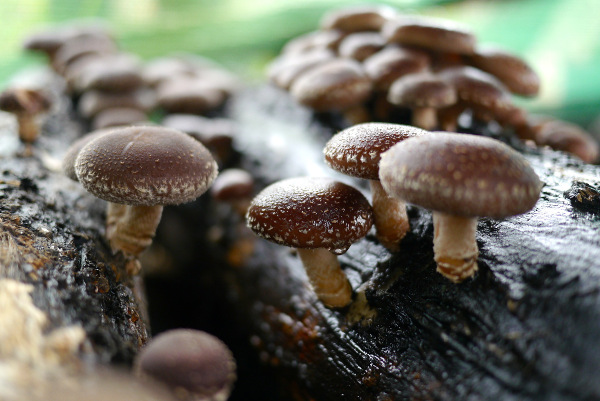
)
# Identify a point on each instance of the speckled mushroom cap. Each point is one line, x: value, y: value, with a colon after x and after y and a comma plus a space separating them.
x: 356, y: 151
x: 460, y: 174
x: 145, y: 165
x: 430, y: 33
x: 335, y: 85
x: 190, y: 359
x: 310, y: 212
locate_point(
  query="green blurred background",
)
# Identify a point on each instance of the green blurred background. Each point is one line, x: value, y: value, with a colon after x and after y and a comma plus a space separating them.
x: 560, y: 38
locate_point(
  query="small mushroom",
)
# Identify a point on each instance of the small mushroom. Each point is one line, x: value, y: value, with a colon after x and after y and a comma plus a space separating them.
x: 424, y: 93
x: 514, y: 72
x: 189, y: 95
x: 194, y: 364
x: 361, y: 45
x: 568, y: 137
x: 234, y: 186
x: 327, y: 39
x: 356, y: 151
x: 430, y: 33
x: 459, y: 177
x: 339, y: 85
x: 27, y: 105
x: 284, y: 70
x: 393, y: 62
x: 118, y: 116
x: 143, y: 167
x: 320, y: 217
x: 358, y: 18
x: 94, y: 101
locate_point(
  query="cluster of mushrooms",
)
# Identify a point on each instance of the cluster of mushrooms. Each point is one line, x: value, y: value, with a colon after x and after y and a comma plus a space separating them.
x: 369, y: 62
x: 364, y: 62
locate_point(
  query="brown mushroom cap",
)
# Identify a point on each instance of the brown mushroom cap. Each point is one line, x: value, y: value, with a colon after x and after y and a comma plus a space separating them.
x: 358, y: 18
x: 68, y: 162
x: 514, y: 72
x: 309, y: 212
x: 145, y: 165
x: 335, y: 85
x: 196, y: 361
x: 357, y: 150
x: 460, y: 174
x: 393, y: 62
x: 313, y: 40
x: 287, y: 67
x: 232, y: 184
x: 189, y: 95
x: 361, y: 45
x: 118, y: 72
x: 421, y: 90
x: 23, y: 100
x: 430, y: 33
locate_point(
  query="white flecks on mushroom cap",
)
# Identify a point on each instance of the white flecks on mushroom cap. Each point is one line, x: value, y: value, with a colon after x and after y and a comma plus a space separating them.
x: 145, y: 165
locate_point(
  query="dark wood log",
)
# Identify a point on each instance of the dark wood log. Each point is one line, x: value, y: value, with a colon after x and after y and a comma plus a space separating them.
x: 51, y: 237
x: 526, y: 327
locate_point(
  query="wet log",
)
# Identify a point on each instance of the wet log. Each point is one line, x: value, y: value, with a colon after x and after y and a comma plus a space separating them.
x: 526, y: 327
x: 53, y: 257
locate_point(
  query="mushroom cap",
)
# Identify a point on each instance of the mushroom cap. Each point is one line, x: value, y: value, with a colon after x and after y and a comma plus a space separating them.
x: 358, y: 18
x: 422, y: 90
x: 329, y: 39
x: 145, y: 165
x: 310, y: 212
x: 118, y: 116
x: 393, y: 62
x: 23, y: 100
x: 287, y: 67
x: 232, y: 184
x: 357, y: 150
x: 335, y: 85
x: 460, y: 174
x: 190, y: 359
x: 361, y: 45
x: 68, y: 162
x: 189, y: 95
x: 117, y: 72
x: 430, y: 33
x: 513, y: 71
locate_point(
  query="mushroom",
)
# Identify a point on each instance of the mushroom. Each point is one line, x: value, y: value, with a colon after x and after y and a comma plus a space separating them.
x: 361, y: 45
x: 514, y: 72
x: 568, y: 137
x: 424, y: 93
x: 327, y: 39
x: 118, y: 116
x: 356, y: 151
x: 459, y: 177
x: 143, y: 167
x: 194, y: 364
x: 234, y: 186
x: 358, y: 18
x: 191, y: 95
x: 430, y: 33
x: 393, y: 62
x: 284, y: 70
x: 26, y: 105
x: 321, y: 218
x: 339, y: 85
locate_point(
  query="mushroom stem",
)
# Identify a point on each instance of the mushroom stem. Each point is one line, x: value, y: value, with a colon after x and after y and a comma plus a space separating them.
x: 391, y: 220
x: 134, y: 231
x: 28, y: 128
x: 454, y: 246
x: 425, y: 117
x: 114, y: 212
x: 326, y: 276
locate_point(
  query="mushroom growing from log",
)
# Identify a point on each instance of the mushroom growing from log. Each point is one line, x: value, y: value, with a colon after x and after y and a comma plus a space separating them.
x: 194, y: 364
x: 459, y: 177
x: 144, y: 168
x: 26, y: 105
x: 356, y: 151
x: 321, y: 218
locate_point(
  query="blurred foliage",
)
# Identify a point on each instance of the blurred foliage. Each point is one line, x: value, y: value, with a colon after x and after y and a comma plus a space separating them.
x: 560, y: 38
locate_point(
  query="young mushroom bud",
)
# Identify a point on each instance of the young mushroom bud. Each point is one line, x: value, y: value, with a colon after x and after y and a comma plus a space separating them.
x: 194, y: 364
x: 320, y: 217
x: 459, y: 177
x: 143, y: 167
x: 26, y: 105
x: 356, y: 151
